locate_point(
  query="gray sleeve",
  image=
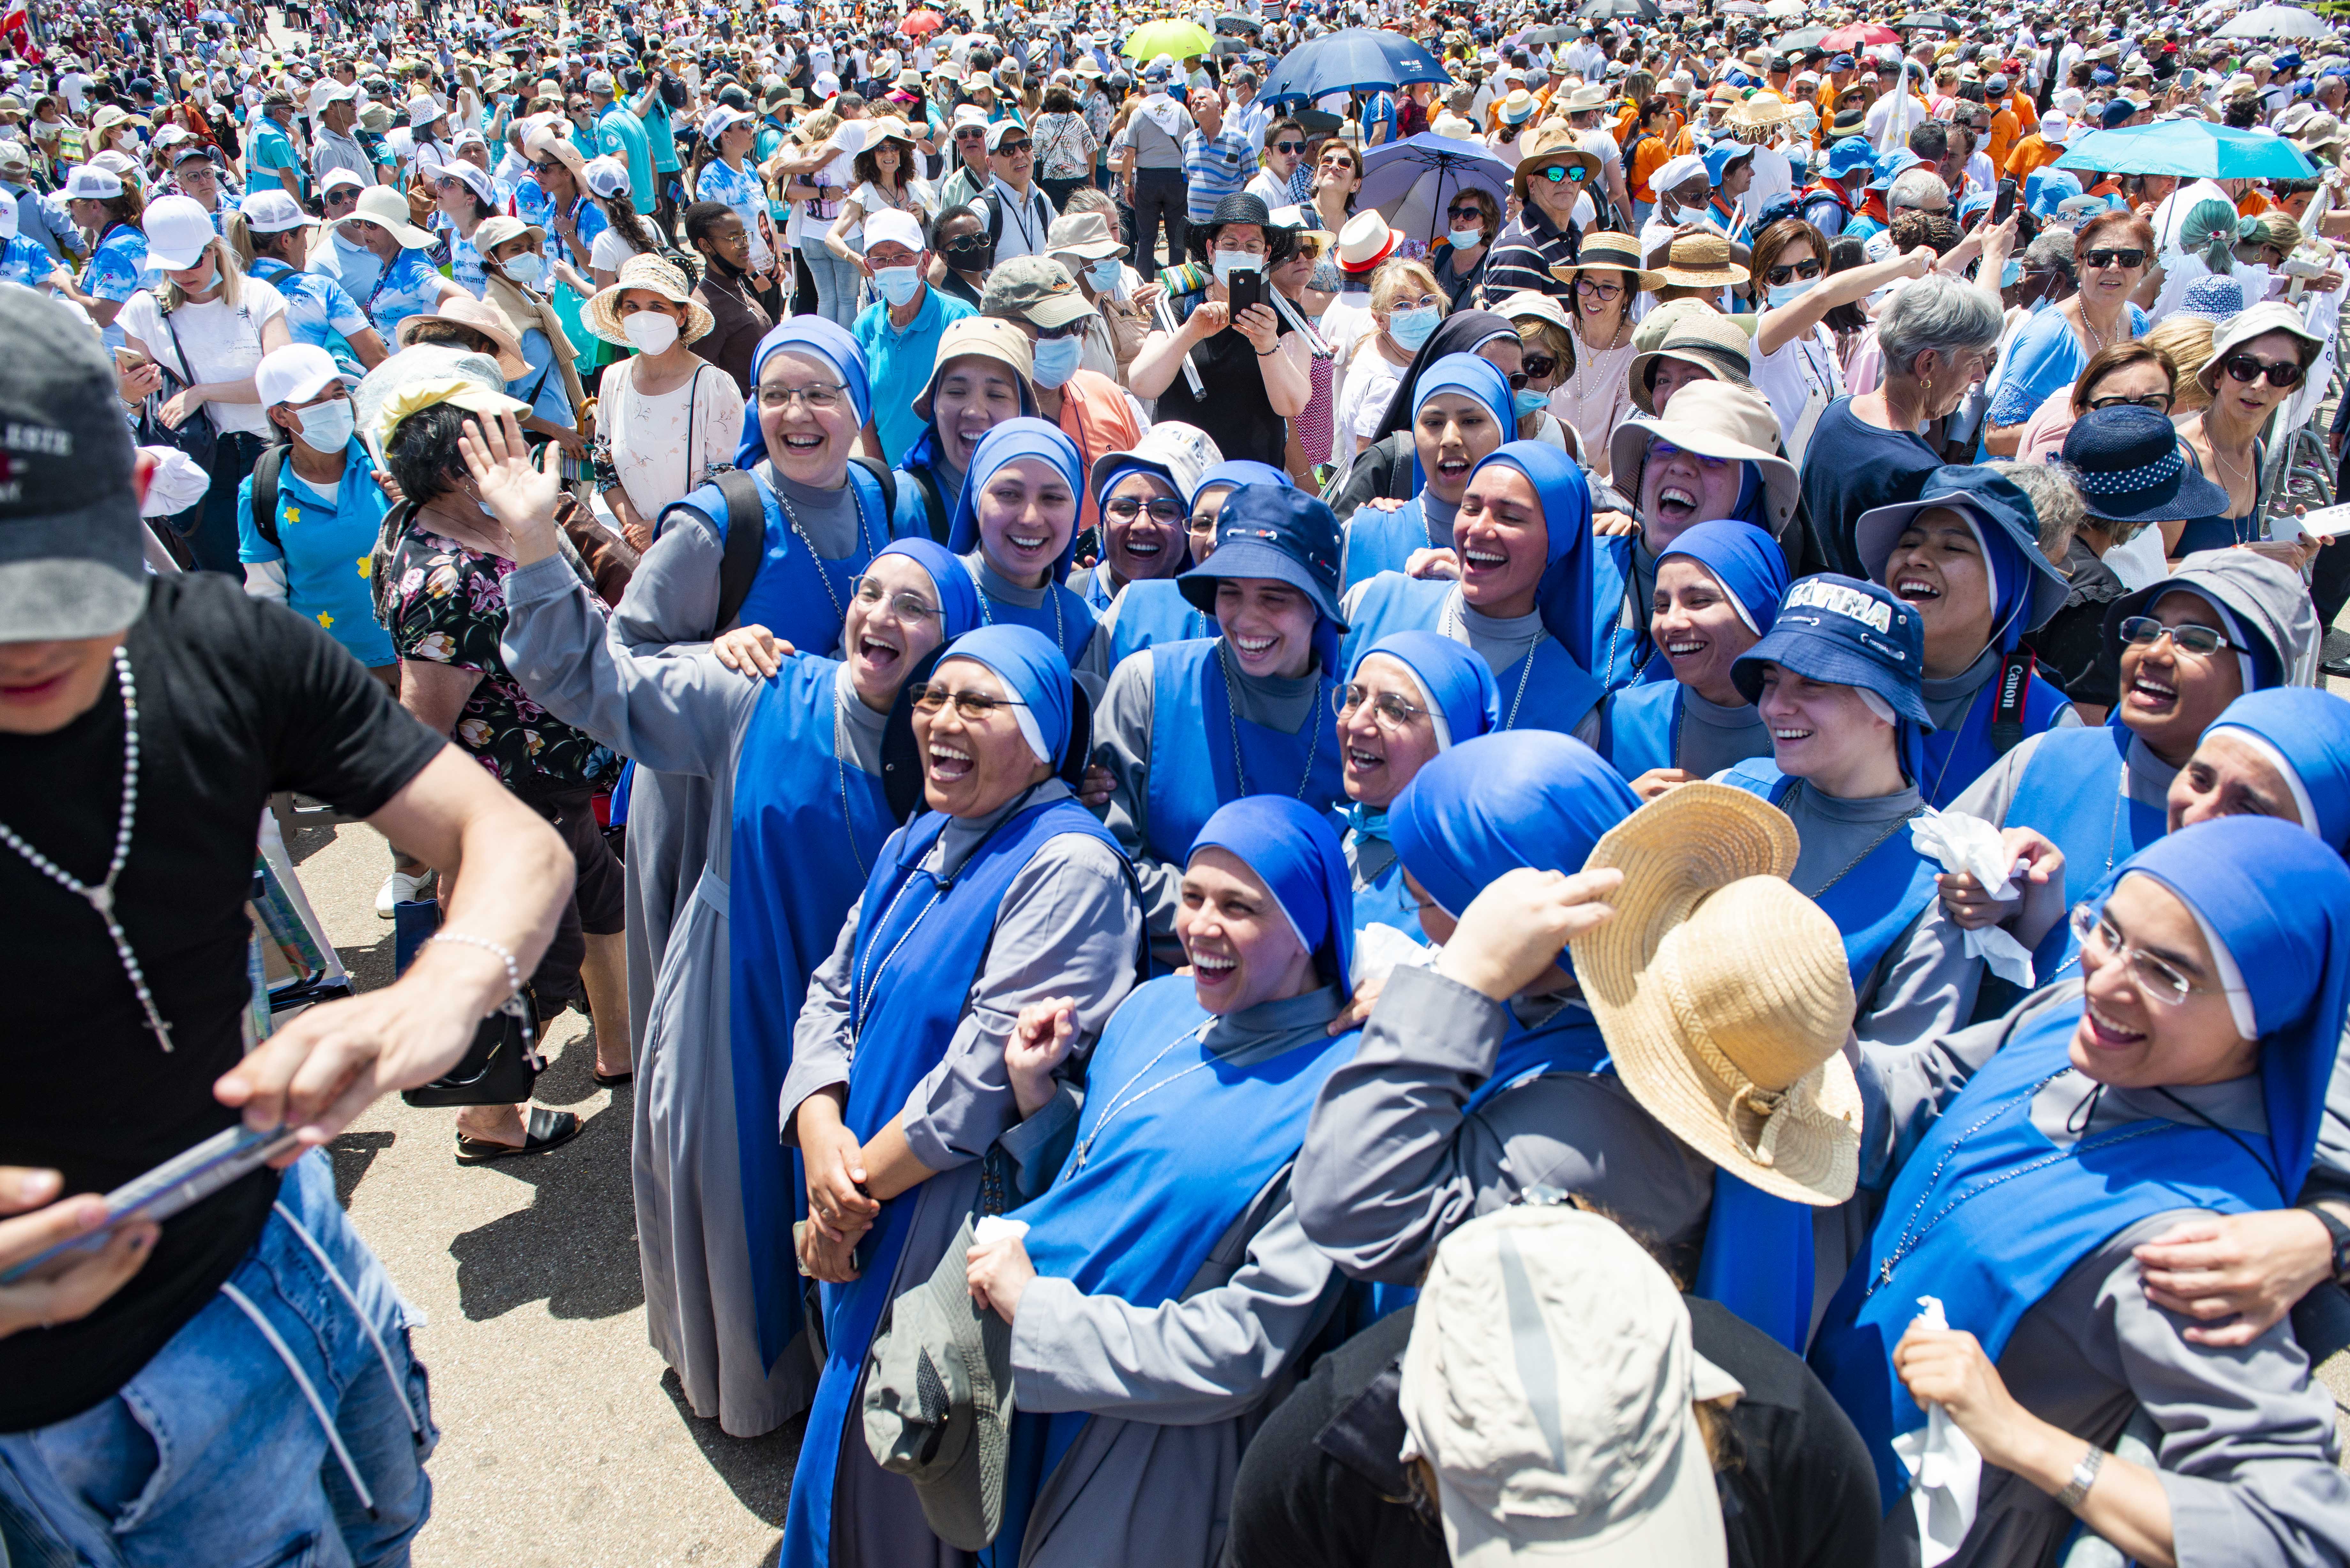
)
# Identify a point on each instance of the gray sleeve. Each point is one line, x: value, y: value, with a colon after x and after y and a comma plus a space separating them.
x: 1905, y: 1085
x: 1991, y: 794
x: 1122, y: 744
x: 1067, y: 926
x: 1929, y: 989
x: 1038, y: 1145
x: 673, y: 596
x: 820, y: 1036
x: 1093, y: 665
x: 1184, y: 1363
x: 679, y: 712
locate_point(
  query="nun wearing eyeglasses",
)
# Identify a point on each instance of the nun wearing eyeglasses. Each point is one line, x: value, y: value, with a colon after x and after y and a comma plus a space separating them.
x: 1153, y: 609
x: 822, y: 519
x: 1456, y: 1102
x: 2023, y: 1161
x: 1966, y: 557
x: 1461, y: 410
x: 793, y: 753
x: 1717, y: 589
x: 1522, y: 601
x: 1016, y: 531
x: 1187, y: 727
x: 1409, y: 697
x: 1004, y: 892
x: 1163, y: 1290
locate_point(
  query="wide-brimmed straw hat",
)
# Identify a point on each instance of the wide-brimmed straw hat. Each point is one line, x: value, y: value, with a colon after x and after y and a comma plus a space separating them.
x: 388, y: 209
x: 483, y: 318
x: 1700, y: 260
x: 1604, y: 251
x: 1723, y: 994
x: 1554, y: 140
x: 655, y: 277
x: 1712, y: 419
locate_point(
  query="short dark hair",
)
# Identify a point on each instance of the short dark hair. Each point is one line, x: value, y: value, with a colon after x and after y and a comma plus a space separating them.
x: 1060, y: 100
x: 1931, y: 141
x: 702, y: 218
x: 422, y: 455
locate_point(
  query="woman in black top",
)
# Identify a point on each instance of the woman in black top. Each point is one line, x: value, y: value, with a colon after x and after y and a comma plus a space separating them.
x: 1254, y: 375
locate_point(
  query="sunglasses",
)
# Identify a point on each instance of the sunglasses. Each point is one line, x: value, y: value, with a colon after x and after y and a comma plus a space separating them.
x: 971, y: 136
x: 1006, y: 148
x: 1470, y: 211
x: 2159, y: 402
x: 1539, y: 365
x: 2126, y: 258
x: 1289, y: 147
x: 1558, y: 172
x: 2145, y: 631
x: 1780, y: 276
x: 2244, y: 368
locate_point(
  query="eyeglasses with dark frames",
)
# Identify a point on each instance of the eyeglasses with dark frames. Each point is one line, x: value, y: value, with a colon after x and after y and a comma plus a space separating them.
x: 2280, y: 372
x: 2159, y: 402
x: 1593, y: 287
x: 1539, y: 365
x: 1163, y: 509
x: 1780, y: 276
x: 1558, y: 172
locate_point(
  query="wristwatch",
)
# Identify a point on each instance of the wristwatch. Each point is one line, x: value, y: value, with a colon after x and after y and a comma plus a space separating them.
x: 2084, y: 1476
x: 2338, y: 1233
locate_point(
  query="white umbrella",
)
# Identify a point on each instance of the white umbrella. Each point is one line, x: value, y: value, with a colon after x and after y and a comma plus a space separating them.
x: 1787, y: 10
x: 2277, y: 22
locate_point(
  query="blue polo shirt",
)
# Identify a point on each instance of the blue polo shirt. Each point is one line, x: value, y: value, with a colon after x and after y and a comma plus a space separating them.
x: 898, y: 365
x: 620, y: 134
x: 267, y: 149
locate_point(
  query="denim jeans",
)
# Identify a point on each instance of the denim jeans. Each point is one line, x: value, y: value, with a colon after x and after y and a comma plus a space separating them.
x: 837, y: 283
x: 213, y: 1452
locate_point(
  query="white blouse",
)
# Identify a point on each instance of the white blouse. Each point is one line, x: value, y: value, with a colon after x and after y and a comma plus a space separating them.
x: 665, y: 445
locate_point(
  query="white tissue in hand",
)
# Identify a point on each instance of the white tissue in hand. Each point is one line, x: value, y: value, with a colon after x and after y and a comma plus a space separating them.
x: 1970, y: 845
x: 991, y: 1227
x: 1381, y: 950
x: 1945, y: 1467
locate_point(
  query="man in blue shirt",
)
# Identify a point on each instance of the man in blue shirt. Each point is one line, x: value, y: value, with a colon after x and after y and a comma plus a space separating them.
x: 270, y: 161
x: 1216, y: 161
x: 899, y: 332
x: 620, y: 134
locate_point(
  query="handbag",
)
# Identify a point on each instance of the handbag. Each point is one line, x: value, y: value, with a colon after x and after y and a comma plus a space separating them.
x: 502, y: 1064
x: 197, y: 437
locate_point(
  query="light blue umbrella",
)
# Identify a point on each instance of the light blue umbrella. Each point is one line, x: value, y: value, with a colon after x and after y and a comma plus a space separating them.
x: 1411, y: 181
x: 1357, y: 59
x: 2190, y: 149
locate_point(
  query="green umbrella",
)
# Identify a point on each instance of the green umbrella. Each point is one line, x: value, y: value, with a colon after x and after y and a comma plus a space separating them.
x: 2190, y: 149
x: 1177, y: 40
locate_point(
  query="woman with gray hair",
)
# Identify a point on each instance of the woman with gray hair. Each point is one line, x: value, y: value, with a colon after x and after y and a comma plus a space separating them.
x: 1936, y: 337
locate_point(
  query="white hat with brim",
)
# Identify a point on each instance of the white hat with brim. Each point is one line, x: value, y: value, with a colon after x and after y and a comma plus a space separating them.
x: 388, y: 209
x: 2258, y: 321
x: 653, y: 275
x: 1365, y: 242
x: 476, y: 316
x: 1723, y: 994
x: 1718, y: 421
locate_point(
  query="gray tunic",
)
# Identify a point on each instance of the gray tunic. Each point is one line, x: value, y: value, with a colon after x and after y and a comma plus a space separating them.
x: 1122, y: 744
x: 1093, y: 665
x: 1393, y: 1163
x: 684, y: 713
x: 2246, y: 1443
x: 1714, y: 737
x: 1501, y: 641
x: 1176, y: 1390
x: 1948, y: 699
x: 1069, y: 926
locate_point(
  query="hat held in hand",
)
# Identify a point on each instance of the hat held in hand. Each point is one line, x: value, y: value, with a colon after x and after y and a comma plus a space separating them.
x: 1724, y: 992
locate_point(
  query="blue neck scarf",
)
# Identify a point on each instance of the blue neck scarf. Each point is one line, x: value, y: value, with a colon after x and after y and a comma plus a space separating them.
x: 1033, y: 672
x: 2309, y: 731
x: 1295, y: 850
x: 1744, y: 559
x: 1456, y: 681
x: 818, y: 338
x: 1564, y: 594
x: 1012, y: 440
x: 958, y: 594
x: 1525, y: 797
x: 1476, y: 377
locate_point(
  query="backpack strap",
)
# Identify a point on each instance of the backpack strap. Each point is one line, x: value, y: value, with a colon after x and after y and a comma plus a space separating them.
x: 264, y: 494
x: 746, y: 541
x: 934, y: 503
x: 2007, y: 712
x: 884, y: 476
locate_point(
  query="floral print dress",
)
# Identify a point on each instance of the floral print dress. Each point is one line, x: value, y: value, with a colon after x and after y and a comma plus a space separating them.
x: 447, y: 605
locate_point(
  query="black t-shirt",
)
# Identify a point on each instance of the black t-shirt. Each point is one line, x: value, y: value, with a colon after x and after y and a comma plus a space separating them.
x: 237, y: 699
x: 1232, y: 405
x: 1850, y: 467
x: 2071, y: 644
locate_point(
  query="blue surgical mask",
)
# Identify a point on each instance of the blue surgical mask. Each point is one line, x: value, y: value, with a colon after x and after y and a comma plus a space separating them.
x: 2012, y: 273
x: 1057, y: 361
x: 1466, y: 239
x: 899, y: 285
x: 1231, y: 262
x: 1528, y: 401
x: 1104, y: 275
x: 526, y: 268
x: 1410, y: 327
x: 1788, y: 293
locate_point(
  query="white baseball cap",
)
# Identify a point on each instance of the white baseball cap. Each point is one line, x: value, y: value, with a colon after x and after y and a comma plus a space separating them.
x: 827, y: 84
x: 722, y: 118
x: 893, y: 226
x: 296, y: 373
x: 178, y: 230
x: 607, y: 177
x: 337, y: 178
x: 275, y: 211
x: 600, y: 81
x: 477, y: 179
x: 85, y: 183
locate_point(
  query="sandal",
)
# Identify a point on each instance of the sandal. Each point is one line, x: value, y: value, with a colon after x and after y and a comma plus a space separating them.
x: 542, y: 1130
x: 612, y: 1080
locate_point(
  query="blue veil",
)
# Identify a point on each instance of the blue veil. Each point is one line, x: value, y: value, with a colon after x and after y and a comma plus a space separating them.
x: 1296, y: 850
x: 1014, y: 439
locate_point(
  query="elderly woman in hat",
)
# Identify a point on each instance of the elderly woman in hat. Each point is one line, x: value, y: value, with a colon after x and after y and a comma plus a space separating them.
x: 2257, y: 361
x: 1005, y: 892
x: 382, y: 260
x: 1253, y: 369
x: 1554, y: 173
x: 1189, y: 726
x: 669, y: 417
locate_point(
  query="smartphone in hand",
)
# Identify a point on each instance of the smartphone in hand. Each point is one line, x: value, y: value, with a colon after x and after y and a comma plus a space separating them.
x: 1246, y: 289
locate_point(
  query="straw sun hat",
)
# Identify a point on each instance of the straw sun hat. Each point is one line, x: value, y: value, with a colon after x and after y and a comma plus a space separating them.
x: 653, y: 275
x: 1724, y: 992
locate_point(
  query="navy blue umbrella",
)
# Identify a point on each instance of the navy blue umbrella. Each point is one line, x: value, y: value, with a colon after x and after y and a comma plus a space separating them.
x: 1359, y: 59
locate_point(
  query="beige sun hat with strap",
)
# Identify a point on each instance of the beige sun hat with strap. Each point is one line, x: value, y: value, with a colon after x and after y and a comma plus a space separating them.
x: 654, y: 276
x: 1723, y: 994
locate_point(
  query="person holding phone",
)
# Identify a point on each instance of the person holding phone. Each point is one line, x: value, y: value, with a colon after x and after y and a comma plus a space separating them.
x: 1253, y: 368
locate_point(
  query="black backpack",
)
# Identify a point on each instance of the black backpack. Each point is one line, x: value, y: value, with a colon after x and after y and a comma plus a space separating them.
x: 264, y: 492
x: 746, y: 531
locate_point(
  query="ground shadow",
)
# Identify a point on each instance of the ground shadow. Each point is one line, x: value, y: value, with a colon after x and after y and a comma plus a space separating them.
x: 353, y: 1153
x: 574, y: 1247
x: 758, y: 1471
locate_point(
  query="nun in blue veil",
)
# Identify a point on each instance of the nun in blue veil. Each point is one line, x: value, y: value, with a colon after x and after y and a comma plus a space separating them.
x: 1163, y: 1287
x: 1015, y: 528
x: 2300, y: 736
x: 1524, y: 599
x: 2185, y: 1074
x: 1718, y: 590
x: 1461, y: 409
x: 1409, y: 697
x: 798, y: 815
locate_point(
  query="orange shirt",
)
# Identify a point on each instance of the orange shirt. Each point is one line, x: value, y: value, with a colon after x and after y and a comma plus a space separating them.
x: 2030, y: 153
x: 1647, y: 156
x: 2004, y: 130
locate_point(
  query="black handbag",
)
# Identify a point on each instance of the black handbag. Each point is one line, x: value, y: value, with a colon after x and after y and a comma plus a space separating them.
x: 197, y: 437
x: 501, y: 1069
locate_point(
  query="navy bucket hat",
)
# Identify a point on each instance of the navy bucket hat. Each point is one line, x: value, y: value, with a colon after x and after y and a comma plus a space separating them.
x: 1273, y: 530
x: 1845, y: 632
x: 2129, y: 468
x: 2026, y: 589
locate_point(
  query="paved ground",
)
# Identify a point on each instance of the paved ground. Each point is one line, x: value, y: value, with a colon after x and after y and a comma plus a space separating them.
x: 564, y: 1442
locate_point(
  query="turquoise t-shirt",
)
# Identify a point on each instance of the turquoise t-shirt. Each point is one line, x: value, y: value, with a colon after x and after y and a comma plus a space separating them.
x: 661, y: 136
x: 620, y: 134
x: 268, y: 147
x: 324, y: 542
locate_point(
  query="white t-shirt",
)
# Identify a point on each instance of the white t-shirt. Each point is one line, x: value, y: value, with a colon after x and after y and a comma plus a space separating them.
x: 611, y: 249
x: 1789, y: 375
x: 224, y: 345
x: 1371, y: 380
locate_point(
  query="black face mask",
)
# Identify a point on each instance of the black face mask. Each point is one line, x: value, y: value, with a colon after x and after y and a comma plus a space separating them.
x: 971, y: 255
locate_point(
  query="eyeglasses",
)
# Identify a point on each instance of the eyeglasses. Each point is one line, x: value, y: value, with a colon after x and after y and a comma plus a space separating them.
x: 1202, y: 526
x: 2159, y: 402
x: 975, y: 706
x: 1780, y: 276
x: 2157, y: 977
x: 869, y: 591
x: 2244, y: 368
x: 1555, y: 173
x: 819, y: 397
x: 2145, y: 631
x: 2129, y: 258
x: 1591, y: 287
x: 1289, y: 147
x: 1162, y: 509
x: 1391, y: 711
x: 1539, y: 365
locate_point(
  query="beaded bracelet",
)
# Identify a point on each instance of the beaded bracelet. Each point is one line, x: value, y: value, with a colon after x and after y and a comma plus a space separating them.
x: 514, y: 968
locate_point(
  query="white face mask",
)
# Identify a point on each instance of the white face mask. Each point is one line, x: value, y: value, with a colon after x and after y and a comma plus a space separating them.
x: 526, y: 268
x: 327, y: 427
x: 650, y: 331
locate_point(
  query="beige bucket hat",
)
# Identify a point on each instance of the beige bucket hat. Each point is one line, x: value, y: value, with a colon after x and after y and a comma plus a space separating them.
x: 1712, y: 419
x: 655, y: 277
x: 481, y: 317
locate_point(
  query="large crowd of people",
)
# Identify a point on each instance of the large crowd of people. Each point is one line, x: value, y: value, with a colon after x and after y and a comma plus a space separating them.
x: 967, y: 587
